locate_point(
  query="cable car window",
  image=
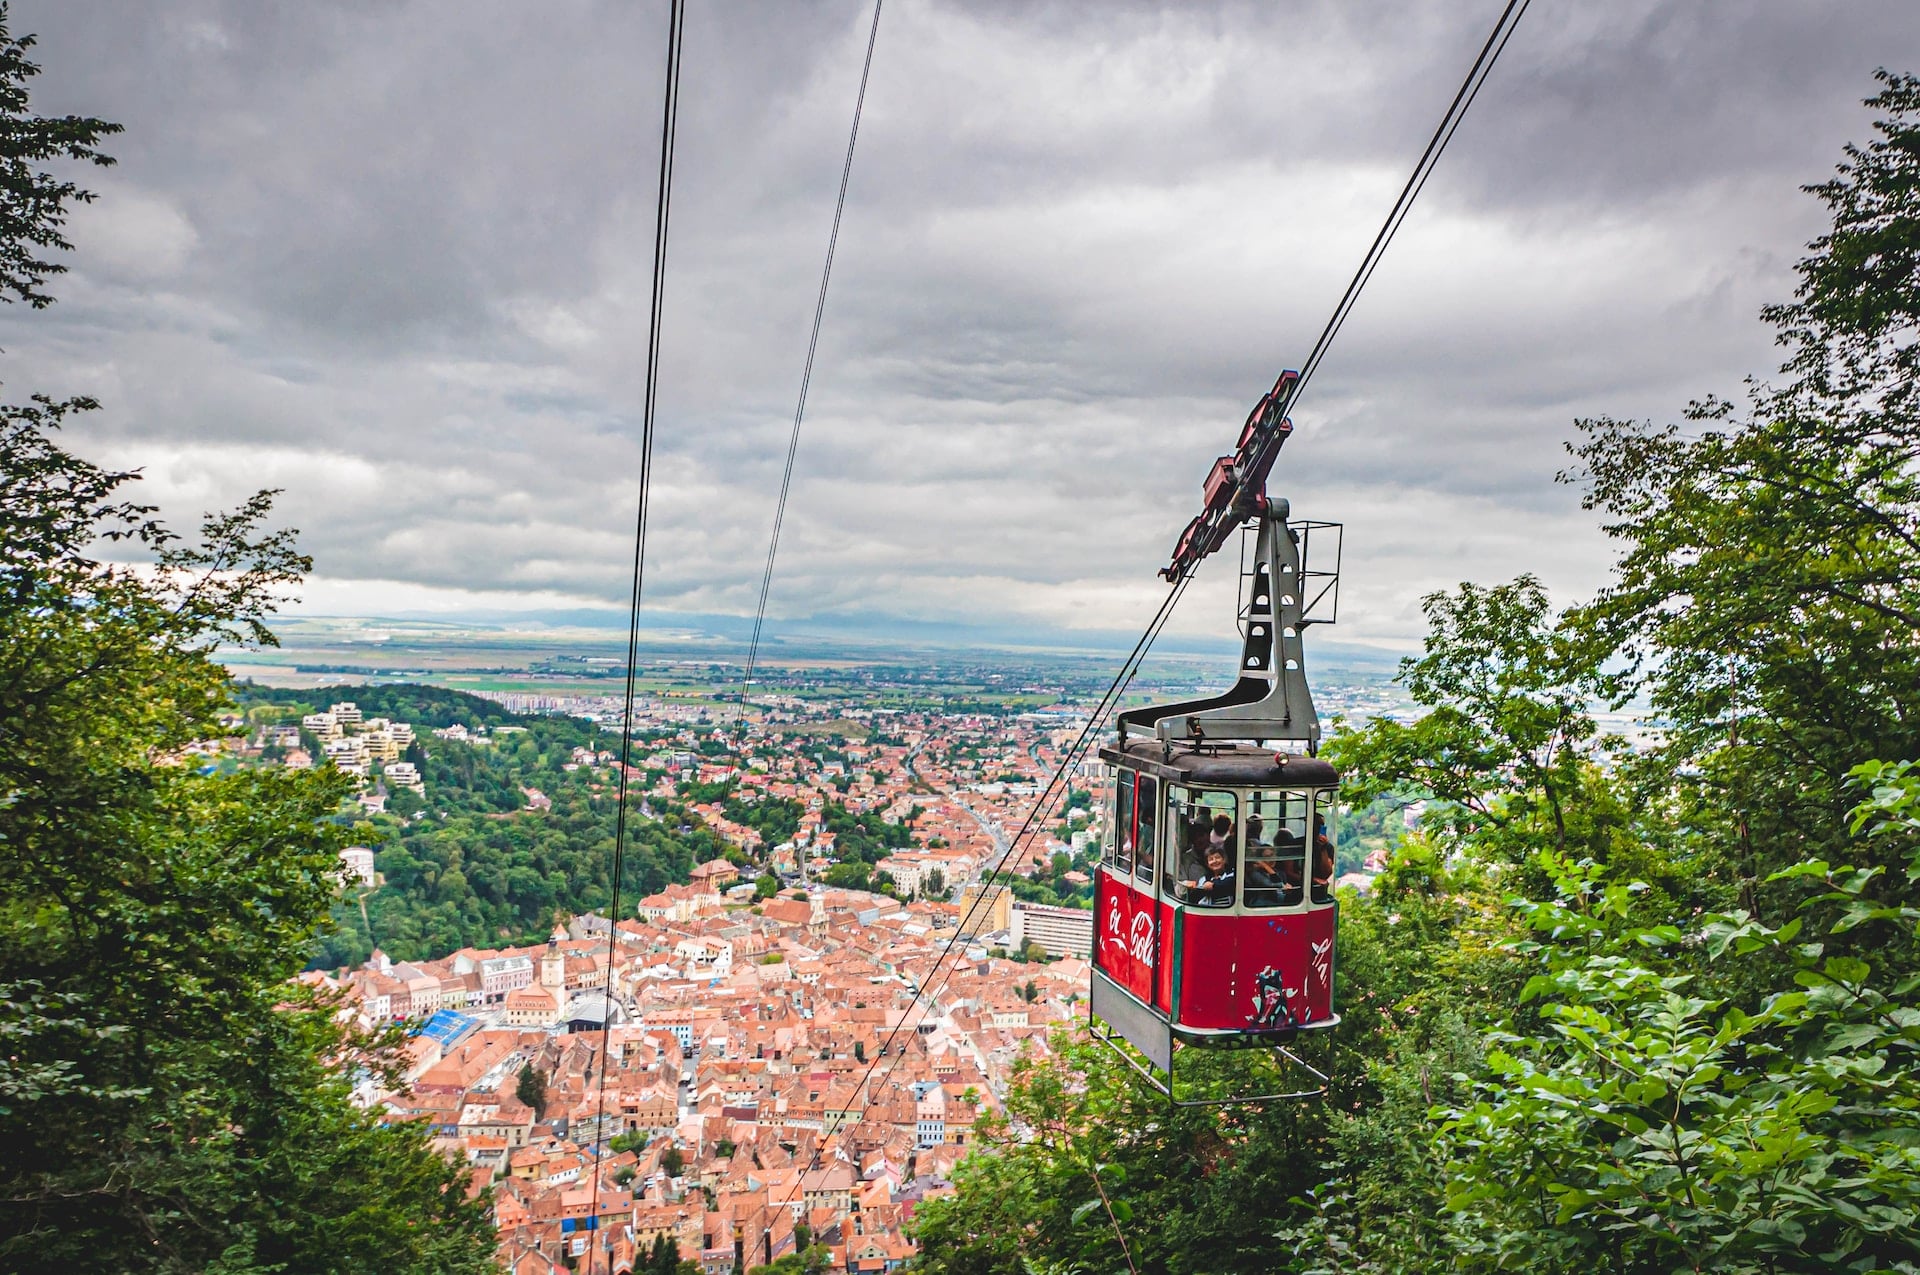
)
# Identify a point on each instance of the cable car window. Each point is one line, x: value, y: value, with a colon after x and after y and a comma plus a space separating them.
x: 1203, y: 821
x: 1276, y: 849
x: 1148, y: 805
x: 1121, y: 858
x: 1323, y: 846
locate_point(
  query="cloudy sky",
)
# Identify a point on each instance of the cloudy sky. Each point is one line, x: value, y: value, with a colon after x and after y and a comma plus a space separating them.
x: 393, y: 257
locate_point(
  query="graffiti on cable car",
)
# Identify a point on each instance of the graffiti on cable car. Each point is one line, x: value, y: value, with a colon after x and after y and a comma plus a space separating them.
x: 1272, y: 1000
x: 1322, y: 963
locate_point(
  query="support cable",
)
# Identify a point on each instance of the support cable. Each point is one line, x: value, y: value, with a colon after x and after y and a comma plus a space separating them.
x: 1482, y: 67
x: 806, y: 374
x: 936, y: 980
x: 663, y: 207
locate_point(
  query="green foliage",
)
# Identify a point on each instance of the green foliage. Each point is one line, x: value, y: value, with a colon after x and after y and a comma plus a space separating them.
x: 164, y: 1090
x: 1655, y: 1125
x: 807, y: 1261
x: 849, y: 876
x: 663, y: 1258
x: 33, y: 199
x: 170, y: 1101
x: 1097, y: 1156
x: 531, y: 1088
x: 698, y: 793
x: 478, y: 868
x: 864, y: 836
x: 776, y: 819
x: 635, y: 1141
x: 1507, y: 692
x: 1768, y: 589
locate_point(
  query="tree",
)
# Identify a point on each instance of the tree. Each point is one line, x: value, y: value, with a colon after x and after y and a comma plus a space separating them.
x: 1768, y: 586
x: 804, y: 1261
x: 165, y: 1092
x: 1508, y: 694
x: 663, y: 1258
x: 849, y: 876
x: 33, y: 200
x: 531, y: 1088
x: 170, y: 1098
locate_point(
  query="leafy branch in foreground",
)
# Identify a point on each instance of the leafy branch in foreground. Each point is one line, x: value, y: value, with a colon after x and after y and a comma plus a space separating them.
x: 1655, y: 1124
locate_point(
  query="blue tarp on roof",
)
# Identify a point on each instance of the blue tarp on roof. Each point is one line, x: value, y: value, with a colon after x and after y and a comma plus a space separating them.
x: 446, y: 1026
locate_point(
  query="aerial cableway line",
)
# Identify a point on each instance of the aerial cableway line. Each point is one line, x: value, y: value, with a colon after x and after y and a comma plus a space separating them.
x: 662, y: 216
x: 806, y: 372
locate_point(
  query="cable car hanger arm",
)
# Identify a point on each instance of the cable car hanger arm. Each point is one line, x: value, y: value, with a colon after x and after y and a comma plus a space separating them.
x: 1236, y: 487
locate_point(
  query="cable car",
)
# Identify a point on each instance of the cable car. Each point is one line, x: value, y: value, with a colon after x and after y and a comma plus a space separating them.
x: 1215, y: 921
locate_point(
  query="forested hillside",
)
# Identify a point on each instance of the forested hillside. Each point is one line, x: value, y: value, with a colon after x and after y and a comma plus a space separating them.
x: 478, y: 860
x: 1608, y: 1010
x: 471, y: 862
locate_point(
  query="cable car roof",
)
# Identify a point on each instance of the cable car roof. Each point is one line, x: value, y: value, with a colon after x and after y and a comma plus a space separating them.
x: 1239, y: 766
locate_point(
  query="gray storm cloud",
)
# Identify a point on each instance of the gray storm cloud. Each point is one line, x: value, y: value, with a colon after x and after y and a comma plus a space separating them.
x: 395, y: 260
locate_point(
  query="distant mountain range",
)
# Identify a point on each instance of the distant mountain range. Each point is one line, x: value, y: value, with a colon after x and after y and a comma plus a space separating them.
x: 868, y: 629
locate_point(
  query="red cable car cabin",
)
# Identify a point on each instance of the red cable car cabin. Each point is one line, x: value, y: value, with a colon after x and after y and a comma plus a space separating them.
x: 1244, y: 945
x: 1214, y: 919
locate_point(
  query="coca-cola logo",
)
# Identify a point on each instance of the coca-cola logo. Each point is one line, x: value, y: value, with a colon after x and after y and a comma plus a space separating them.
x: 1135, y: 938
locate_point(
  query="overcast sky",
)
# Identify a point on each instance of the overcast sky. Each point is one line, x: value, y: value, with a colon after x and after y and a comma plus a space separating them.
x: 393, y: 257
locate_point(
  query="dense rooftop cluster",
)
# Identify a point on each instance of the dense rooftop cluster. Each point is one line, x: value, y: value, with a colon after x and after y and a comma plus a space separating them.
x: 767, y: 1070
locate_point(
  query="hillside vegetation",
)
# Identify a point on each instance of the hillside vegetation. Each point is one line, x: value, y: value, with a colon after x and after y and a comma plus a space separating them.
x: 477, y: 860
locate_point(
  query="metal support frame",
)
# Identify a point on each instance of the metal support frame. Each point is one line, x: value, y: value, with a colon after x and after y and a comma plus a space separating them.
x: 1270, y: 700
x: 1115, y: 1042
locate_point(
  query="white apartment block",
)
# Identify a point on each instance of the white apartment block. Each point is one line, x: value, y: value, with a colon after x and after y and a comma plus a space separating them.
x: 347, y: 754
x: 356, y: 866
x: 1061, y: 931
x: 907, y: 875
